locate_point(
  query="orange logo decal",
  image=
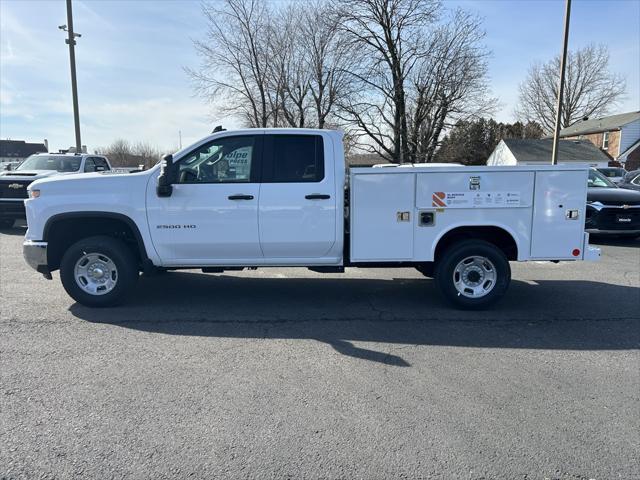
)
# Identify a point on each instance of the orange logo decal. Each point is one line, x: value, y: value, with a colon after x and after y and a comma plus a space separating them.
x: 438, y: 199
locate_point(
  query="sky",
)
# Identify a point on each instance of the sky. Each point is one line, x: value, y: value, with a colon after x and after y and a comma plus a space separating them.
x: 132, y: 54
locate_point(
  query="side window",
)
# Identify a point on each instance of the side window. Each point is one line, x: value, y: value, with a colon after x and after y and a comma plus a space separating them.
x: 636, y: 180
x: 102, y: 163
x: 224, y: 160
x: 89, y: 165
x: 295, y: 158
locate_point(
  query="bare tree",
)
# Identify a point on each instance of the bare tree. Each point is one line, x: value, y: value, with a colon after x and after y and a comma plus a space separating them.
x: 388, y: 35
x: 421, y: 69
x: 119, y: 152
x: 289, y: 77
x: 392, y: 73
x: 327, y: 55
x: 122, y: 154
x: 235, y: 59
x: 282, y: 67
x: 590, y: 88
x: 147, y: 153
x: 449, y: 84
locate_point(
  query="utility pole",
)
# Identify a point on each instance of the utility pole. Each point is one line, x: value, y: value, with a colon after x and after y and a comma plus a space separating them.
x: 563, y: 63
x: 180, y: 137
x: 71, y: 41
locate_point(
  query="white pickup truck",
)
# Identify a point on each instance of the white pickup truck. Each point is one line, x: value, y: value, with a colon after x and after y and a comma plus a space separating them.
x: 283, y: 197
x: 14, y: 183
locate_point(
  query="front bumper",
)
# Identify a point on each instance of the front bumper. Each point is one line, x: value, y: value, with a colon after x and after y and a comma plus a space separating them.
x: 35, y: 254
x: 12, y: 209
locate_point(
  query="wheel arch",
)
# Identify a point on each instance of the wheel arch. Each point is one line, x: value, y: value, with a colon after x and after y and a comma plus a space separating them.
x: 61, y: 230
x: 499, y: 235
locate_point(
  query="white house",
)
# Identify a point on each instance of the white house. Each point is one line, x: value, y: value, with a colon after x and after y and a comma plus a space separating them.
x: 519, y: 151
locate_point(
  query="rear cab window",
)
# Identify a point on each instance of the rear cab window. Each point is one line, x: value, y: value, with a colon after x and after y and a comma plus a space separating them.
x: 89, y: 165
x: 101, y: 162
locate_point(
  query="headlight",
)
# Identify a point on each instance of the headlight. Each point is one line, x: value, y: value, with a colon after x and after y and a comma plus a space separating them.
x: 34, y: 193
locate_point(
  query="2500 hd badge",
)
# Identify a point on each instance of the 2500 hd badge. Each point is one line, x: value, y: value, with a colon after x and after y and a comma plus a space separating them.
x: 176, y: 226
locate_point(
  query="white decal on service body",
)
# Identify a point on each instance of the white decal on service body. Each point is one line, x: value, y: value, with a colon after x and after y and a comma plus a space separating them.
x: 476, y: 199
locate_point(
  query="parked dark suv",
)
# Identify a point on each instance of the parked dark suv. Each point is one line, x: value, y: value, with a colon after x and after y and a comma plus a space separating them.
x: 611, y: 210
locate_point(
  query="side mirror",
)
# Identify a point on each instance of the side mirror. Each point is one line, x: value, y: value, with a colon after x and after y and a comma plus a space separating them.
x: 165, y: 179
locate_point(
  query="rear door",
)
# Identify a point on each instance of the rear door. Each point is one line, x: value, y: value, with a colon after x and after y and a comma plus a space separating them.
x: 297, y: 210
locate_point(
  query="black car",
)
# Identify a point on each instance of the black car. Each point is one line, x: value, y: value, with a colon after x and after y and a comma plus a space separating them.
x: 611, y: 210
x: 631, y: 180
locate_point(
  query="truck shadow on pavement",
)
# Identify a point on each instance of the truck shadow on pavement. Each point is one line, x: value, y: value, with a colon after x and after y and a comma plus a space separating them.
x: 567, y: 315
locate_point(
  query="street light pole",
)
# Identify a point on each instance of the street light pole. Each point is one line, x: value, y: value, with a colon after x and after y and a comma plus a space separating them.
x: 563, y: 62
x: 71, y: 41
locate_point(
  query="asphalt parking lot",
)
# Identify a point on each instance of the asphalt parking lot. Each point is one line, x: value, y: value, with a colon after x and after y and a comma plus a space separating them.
x: 293, y: 374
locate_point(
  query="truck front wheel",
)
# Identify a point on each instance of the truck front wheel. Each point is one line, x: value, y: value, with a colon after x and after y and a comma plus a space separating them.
x: 98, y: 271
x: 473, y: 274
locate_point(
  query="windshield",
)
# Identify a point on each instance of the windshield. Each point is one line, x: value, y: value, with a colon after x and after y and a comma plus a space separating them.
x: 61, y: 163
x: 596, y: 179
x: 612, y: 172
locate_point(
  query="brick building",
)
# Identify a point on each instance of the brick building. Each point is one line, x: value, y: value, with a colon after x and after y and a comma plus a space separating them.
x: 616, y: 135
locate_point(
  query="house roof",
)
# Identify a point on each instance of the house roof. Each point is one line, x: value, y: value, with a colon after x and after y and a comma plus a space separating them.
x: 579, y: 151
x: 20, y: 148
x: 603, y: 124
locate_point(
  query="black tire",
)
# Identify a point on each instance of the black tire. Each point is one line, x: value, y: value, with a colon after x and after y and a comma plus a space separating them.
x: 7, y: 223
x: 113, y: 249
x: 457, y: 253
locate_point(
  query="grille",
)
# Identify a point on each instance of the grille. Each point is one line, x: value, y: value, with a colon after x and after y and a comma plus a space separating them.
x: 14, y: 188
x: 618, y: 203
x: 607, y: 219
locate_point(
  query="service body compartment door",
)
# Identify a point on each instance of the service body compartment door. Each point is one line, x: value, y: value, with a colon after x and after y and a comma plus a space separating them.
x: 558, y: 214
x: 382, y: 216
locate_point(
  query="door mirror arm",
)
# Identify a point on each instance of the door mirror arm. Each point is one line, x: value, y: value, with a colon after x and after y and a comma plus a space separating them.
x: 165, y: 179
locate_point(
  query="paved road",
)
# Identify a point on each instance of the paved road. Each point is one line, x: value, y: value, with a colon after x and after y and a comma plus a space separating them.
x: 291, y: 374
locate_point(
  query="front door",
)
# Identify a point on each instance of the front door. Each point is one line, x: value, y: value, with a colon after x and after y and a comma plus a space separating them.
x: 297, y: 212
x: 212, y: 215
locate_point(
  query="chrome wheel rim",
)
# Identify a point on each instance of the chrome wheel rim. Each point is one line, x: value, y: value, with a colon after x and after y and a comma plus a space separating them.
x: 96, y: 273
x: 474, y: 276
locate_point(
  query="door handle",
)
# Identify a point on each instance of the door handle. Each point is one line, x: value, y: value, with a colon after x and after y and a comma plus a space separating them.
x: 240, y: 197
x: 317, y: 196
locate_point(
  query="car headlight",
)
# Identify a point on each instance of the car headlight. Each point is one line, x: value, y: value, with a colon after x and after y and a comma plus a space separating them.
x: 35, y: 193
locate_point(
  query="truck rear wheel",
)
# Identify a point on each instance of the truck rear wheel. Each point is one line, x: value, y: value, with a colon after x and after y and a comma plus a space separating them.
x: 98, y: 271
x: 473, y: 274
